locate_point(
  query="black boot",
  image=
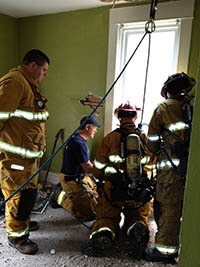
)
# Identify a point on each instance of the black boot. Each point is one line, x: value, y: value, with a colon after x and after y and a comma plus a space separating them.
x: 23, y: 244
x: 53, y: 199
x: 139, y: 239
x: 152, y: 254
x: 96, y: 245
x: 33, y: 226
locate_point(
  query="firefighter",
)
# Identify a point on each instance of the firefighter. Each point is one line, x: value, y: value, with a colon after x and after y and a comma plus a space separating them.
x: 109, y: 167
x: 23, y: 115
x: 77, y: 192
x: 168, y: 139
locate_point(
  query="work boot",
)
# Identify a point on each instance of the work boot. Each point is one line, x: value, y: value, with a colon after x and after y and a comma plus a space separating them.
x: 139, y: 239
x: 23, y: 244
x: 96, y: 245
x: 53, y: 199
x: 152, y: 254
x: 33, y: 226
x: 90, y: 218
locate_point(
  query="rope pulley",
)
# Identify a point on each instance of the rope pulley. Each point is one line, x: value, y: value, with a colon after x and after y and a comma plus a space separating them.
x: 150, y: 25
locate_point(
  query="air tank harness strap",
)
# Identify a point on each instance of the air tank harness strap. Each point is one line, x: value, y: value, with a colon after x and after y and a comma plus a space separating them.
x: 114, y: 205
x: 167, y: 155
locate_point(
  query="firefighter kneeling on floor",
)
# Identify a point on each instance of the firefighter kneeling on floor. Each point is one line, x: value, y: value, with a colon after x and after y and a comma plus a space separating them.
x: 118, y: 167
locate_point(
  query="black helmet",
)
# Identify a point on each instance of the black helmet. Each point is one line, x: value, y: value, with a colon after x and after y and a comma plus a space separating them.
x: 177, y: 83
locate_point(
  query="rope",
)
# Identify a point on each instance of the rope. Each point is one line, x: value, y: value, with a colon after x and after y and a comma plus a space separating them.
x: 168, y: 157
x: 49, y: 166
x: 149, y: 23
x: 78, y: 128
x: 145, y: 83
x: 81, y: 222
x: 153, y: 9
x: 149, y: 28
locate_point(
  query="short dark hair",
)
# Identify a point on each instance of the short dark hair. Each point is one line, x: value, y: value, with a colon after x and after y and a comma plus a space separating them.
x: 36, y: 56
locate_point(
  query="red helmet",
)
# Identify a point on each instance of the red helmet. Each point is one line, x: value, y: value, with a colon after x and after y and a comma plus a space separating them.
x: 126, y: 110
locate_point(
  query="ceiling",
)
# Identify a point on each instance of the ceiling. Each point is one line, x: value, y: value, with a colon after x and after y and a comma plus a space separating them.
x: 26, y: 8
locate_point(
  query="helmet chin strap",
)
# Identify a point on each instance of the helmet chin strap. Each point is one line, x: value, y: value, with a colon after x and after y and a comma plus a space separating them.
x: 168, y: 95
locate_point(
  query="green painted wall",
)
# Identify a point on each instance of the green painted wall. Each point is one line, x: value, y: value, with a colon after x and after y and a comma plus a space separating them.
x: 8, y: 43
x: 76, y: 43
x: 190, y: 234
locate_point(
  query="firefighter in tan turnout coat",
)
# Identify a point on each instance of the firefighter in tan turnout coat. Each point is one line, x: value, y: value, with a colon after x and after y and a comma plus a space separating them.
x: 114, y: 198
x: 168, y: 139
x: 22, y: 143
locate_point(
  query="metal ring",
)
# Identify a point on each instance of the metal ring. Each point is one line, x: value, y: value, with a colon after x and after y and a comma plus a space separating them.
x: 150, y: 26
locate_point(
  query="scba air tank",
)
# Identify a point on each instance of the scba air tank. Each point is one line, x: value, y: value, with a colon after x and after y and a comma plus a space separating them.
x: 133, y: 157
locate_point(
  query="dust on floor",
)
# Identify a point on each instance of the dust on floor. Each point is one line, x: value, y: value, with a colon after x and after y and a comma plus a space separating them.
x: 60, y: 237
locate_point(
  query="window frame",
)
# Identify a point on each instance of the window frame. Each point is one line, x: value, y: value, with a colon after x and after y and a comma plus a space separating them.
x: 181, y: 10
x: 122, y: 88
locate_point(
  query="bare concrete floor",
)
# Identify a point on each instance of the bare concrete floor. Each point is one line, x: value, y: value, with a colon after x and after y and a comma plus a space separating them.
x: 59, y: 238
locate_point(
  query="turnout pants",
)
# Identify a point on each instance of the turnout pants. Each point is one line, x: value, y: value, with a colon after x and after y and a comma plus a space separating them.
x: 168, y: 208
x: 108, y: 213
x: 18, y: 209
x: 14, y: 172
x: 79, y: 199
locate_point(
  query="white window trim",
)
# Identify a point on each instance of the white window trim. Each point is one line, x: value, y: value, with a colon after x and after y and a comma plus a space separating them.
x: 182, y: 9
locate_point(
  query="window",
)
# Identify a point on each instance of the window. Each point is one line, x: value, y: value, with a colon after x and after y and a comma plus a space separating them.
x: 174, y: 21
x: 163, y: 61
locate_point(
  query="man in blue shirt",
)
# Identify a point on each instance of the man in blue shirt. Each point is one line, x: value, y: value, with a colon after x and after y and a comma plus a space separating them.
x: 77, y: 192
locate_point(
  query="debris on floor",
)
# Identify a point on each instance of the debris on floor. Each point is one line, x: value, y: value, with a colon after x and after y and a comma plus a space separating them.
x: 42, y: 199
x: 60, y: 238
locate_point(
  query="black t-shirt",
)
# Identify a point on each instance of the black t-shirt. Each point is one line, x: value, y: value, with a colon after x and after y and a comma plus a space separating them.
x: 75, y: 152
